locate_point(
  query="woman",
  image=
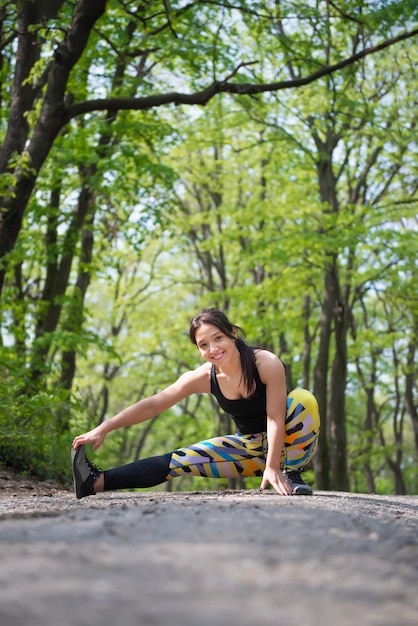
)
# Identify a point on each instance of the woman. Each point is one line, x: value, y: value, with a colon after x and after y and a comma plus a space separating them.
x: 276, y: 434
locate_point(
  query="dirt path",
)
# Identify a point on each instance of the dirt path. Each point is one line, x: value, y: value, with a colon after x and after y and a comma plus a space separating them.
x: 209, y: 558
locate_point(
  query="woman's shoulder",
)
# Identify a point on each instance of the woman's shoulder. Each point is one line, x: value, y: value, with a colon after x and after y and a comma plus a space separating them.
x: 198, y: 378
x: 268, y: 364
x: 265, y: 356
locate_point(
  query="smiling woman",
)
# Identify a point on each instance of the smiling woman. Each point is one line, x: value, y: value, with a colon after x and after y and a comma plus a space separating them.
x: 276, y: 433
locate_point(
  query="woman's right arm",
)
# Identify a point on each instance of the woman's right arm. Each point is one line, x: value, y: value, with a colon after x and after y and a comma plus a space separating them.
x: 195, y: 381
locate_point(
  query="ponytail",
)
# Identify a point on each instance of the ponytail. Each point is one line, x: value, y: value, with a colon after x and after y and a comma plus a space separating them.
x: 248, y: 365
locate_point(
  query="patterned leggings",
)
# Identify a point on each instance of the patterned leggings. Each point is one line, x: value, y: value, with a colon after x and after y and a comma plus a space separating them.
x: 228, y: 456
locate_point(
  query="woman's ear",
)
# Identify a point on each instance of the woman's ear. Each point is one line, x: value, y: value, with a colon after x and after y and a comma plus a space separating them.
x: 235, y: 332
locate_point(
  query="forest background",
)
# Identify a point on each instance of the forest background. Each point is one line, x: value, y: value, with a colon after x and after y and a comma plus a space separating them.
x: 160, y: 157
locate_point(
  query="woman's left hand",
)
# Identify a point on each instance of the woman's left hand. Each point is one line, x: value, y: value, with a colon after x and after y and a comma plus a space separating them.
x: 277, y: 480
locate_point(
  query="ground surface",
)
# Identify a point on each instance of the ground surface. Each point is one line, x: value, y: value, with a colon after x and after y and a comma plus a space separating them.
x: 208, y: 558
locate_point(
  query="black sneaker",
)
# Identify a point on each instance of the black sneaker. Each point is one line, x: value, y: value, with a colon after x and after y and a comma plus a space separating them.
x: 84, y: 473
x: 300, y: 488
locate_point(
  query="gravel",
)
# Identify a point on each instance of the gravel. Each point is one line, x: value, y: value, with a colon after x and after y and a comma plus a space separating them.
x: 207, y: 558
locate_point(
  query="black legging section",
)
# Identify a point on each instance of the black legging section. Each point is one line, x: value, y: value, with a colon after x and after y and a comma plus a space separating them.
x: 139, y: 474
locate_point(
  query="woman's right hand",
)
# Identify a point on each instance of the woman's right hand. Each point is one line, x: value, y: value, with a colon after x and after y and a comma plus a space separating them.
x: 95, y: 437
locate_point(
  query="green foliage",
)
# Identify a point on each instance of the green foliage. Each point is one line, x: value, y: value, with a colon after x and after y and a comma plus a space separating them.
x: 32, y: 441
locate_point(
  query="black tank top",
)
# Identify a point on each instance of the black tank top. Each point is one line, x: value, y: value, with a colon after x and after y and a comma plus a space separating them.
x: 249, y: 414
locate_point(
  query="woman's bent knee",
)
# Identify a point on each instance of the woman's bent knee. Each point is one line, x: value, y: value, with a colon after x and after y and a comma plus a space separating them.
x: 307, y: 400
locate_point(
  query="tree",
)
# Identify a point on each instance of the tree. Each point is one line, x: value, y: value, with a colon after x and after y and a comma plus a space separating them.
x: 40, y: 107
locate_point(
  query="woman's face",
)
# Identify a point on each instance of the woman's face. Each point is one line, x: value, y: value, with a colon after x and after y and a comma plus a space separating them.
x: 214, y: 346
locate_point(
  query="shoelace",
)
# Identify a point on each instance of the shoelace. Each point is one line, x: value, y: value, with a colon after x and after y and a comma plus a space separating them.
x: 295, y: 477
x: 94, y: 470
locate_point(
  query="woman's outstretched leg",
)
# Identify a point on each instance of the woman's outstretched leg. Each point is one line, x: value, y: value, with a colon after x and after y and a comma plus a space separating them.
x: 220, y: 457
x: 89, y: 479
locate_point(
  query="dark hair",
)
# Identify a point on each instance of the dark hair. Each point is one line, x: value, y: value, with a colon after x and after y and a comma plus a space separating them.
x: 220, y: 320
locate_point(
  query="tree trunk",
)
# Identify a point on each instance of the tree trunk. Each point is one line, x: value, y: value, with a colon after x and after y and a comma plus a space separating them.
x: 75, y: 317
x: 332, y: 408
x: 368, y: 425
x: 307, y: 343
x: 321, y: 461
x: 336, y: 405
x: 47, y: 323
x: 52, y: 117
x: 410, y: 384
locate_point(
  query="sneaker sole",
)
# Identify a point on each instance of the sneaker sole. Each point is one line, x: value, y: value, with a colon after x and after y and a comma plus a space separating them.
x: 302, y: 491
x: 75, y: 455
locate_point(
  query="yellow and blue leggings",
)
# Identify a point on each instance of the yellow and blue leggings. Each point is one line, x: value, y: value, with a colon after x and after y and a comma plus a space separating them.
x: 228, y: 456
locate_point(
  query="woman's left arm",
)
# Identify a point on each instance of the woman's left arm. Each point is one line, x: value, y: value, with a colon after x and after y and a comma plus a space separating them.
x: 273, y: 375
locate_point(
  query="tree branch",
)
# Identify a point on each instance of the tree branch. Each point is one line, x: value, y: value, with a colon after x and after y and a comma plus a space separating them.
x: 202, y: 97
